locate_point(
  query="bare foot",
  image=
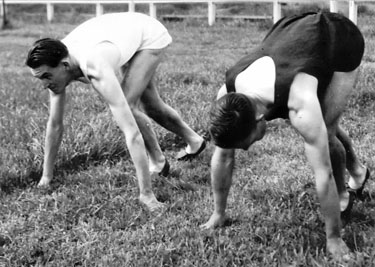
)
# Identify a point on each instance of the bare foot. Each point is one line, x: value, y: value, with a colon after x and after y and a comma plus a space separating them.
x: 214, y: 221
x: 44, y: 182
x: 339, y: 251
x: 152, y: 203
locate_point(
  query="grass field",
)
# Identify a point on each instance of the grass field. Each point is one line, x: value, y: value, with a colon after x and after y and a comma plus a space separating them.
x: 91, y: 216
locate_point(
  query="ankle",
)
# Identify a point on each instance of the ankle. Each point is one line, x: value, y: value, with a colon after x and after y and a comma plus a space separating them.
x: 193, y: 147
x: 157, y: 166
x: 147, y: 197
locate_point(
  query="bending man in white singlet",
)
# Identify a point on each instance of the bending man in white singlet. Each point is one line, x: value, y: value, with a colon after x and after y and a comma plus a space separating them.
x: 129, y: 43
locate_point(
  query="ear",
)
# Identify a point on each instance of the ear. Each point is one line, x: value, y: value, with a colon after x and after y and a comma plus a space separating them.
x: 259, y: 117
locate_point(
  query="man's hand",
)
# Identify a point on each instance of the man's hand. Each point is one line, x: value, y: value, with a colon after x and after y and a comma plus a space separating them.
x: 44, y: 181
x: 339, y: 251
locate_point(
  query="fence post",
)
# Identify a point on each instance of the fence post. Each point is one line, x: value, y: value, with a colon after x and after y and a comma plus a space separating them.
x: 353, y: 11
x: 211, y: 13
x: 50, y: 11
x: 99, y: 9
x: 2, y: 9
x: 153, y: 10
x: 333, y: 6
x: 131, y: 6
x: 276, y: 11
x: 3, y: 14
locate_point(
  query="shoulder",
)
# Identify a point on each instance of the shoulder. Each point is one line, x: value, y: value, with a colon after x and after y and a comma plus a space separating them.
x: 104, y: 55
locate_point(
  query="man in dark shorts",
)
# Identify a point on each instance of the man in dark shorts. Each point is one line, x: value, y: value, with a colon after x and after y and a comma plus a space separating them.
x: 303, y: 70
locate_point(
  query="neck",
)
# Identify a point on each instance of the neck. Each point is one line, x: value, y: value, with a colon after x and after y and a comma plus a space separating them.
x: 75, y: 70
x: 76, y: 73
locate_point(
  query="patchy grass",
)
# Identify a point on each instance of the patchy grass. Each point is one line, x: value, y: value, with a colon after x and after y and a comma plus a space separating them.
x: 91, y: 215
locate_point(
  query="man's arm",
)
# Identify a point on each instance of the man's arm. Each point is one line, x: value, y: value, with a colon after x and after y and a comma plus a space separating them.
x: 306, y: 116
x: 53, y: 137
x: 101, y: 72
x: 113, y: 95
x: 222, y: 164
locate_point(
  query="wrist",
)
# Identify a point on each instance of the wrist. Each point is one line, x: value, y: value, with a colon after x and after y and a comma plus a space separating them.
x: 44, y: 181
x: 47, y: 175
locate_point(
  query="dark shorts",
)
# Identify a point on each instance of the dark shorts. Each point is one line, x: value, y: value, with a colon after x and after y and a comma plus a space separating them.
x: 318, y: 44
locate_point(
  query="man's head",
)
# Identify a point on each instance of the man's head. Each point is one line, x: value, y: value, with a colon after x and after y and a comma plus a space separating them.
x: 46, y: 51
x: 47, y: 60
x: 234, y: 123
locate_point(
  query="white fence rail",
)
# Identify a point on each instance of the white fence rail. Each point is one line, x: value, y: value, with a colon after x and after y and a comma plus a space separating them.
x: 211, y: 5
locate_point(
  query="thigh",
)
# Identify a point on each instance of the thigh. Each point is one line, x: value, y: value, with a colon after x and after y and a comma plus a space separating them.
x: 335, y: 100
x: 139, y: 72
x: 151, y: 101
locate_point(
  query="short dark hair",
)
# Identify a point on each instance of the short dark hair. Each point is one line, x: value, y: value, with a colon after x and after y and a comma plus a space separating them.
x: 232, y: 118
x: 46, y: 51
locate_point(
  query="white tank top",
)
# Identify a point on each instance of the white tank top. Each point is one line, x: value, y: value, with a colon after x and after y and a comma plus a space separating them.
x: 129, y: 31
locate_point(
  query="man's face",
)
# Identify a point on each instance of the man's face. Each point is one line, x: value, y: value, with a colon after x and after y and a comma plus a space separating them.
x: 54, y: 79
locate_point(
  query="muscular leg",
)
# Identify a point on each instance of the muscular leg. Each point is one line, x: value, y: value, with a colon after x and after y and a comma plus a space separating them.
x: 140, y: 92
x: 333, y: 106
x: 168, y: 118
x: 338, y: 161
x: 136, y: 79
x: 356, y: 169
x: 316, y: 122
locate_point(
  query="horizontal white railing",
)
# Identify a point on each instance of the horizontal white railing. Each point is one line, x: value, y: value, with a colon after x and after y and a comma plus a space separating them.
x: 211, y: 5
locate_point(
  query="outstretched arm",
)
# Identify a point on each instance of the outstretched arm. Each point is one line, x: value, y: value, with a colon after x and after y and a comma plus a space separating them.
x: 53, y: 137
x: 222, y: 164
x: 122, y: 114
x: 101, y: 72
x: 306, y: 116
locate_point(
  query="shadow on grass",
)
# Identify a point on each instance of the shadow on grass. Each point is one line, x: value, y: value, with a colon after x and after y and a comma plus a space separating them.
x: 363, y: 102
x: 81, y: 162
x: 303, y: 209
x: 74, y: 165
x: 354, y: 232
